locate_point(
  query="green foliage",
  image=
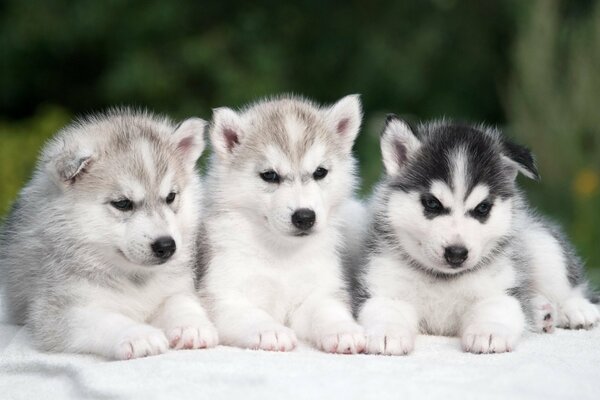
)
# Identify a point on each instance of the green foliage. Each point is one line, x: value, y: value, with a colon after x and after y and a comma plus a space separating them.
x: 21, y: 143
x: 553, y: 106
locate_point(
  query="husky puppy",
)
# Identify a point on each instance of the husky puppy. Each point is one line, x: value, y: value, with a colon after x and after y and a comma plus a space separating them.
x: 280, y: 188
x: 453, y: 248
x: 97, y: 254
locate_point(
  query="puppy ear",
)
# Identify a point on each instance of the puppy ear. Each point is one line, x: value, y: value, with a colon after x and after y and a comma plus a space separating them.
x: 70, y: 167
x: 520, y: 159
x: 344, y: 118
x: 226, y: 132
x: 398, y: 144
x: 188, y: 138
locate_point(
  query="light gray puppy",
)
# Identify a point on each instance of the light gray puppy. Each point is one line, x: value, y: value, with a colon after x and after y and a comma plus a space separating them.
x: 96, y: 254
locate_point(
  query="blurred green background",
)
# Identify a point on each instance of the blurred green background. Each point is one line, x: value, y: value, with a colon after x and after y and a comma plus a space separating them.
x: 530, y: 67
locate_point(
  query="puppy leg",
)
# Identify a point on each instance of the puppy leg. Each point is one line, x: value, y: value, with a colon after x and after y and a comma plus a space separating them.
x: 110, y: 334
x: 391, y: 326
x: 327, y: 323
x: 242, y: 324
x: 185, y: 323
x: 493, y: 325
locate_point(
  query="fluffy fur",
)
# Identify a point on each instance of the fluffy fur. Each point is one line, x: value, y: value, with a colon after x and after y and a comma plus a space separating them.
x: 453, y: 248
x: 268, y: 279
x: 88, y: 277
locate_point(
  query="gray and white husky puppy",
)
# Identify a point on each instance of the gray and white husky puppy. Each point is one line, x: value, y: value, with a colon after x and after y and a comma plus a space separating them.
x: 280, y: 193
x: 453, y: 248
x: 97, y: 254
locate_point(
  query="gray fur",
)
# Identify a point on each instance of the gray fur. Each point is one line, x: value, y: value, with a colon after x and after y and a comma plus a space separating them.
x: 485, y: 150
x: 48, y: 250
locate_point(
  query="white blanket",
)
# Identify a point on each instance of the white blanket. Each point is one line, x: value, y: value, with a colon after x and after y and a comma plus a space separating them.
x: 563, y: 365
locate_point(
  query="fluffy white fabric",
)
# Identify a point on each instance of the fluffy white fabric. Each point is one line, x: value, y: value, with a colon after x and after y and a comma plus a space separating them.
x: 565, y: 364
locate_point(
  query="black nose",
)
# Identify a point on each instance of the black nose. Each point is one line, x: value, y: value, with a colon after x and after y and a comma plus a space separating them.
x: 455, y: 255
x: 164, y: 247
x: 303, y: 218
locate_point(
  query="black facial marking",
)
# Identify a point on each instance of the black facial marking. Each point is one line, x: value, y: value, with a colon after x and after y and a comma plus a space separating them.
x: 270, y: 176
x: 432, y: 207
x: 482, y: 211
x: 434, y: 160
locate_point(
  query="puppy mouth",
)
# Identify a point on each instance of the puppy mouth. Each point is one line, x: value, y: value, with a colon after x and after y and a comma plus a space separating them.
x: 149, y: 263
x: 301, y: 234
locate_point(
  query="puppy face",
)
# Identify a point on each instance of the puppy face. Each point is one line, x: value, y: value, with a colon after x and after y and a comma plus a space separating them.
x: 287, y: 163
x: 451, y: 199
x: 133, y: 195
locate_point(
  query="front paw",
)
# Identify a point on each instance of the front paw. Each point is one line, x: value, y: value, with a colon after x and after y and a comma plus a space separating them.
x: 193, y: 337
x: 141, y: 341
x: 273, y: 338
x: 391, y: 341
x: 578, y: 313
x: 343, y: 339
x: 484, y: 338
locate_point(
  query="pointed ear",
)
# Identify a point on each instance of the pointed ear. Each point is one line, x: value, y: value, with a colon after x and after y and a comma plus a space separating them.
x: 519, y: 159
x: 69, y: 167
x: 398, y: 144
x: 188, y: 138
x: 227, y: 132
x: 344, y: 118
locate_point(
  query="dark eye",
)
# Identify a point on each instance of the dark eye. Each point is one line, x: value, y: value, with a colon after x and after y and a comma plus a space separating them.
x: 320, y: 173
x: 171, y: 197
x: 122, y: 205
x: 270, y: 176
x: 483, y: 209
x: 431, y: 204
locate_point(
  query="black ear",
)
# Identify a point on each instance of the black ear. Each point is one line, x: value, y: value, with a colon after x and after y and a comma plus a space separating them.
x: 522, y: 159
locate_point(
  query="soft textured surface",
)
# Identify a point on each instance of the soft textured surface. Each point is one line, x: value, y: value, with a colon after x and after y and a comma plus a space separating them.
x: 565, y: 364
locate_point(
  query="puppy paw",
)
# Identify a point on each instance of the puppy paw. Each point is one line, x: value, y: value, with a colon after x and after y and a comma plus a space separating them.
x: 484, y: 338
x: 141, y: 341
x: 277, y: 338
x: 544, y: 314
x: 390, y: 341
x: 193, y: 337
x: 578, y: 313
x: 343, y: 339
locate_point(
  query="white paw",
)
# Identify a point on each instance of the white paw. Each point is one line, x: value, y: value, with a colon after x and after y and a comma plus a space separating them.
x: 578, y: 313
x: 343, y: 339
x: 276, y: 338
x: 544, y: 314
x: 483, y: 338
x: 193, y: 337
x: 390, y: 341
x: 141, y: 341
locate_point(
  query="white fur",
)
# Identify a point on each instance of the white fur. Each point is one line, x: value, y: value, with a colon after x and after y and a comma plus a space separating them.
x: 267, y: 287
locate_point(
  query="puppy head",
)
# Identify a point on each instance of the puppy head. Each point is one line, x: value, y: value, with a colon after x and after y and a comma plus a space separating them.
x: 451, y: 192
x: 286, y: 163
x: 127, y: 182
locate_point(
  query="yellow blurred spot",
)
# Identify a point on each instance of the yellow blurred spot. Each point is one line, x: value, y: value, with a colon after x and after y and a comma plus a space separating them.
x: 586, y: 183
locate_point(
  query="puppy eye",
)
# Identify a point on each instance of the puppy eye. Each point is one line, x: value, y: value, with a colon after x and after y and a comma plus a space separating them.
x: 270, y: 176
x: 431, y: 204
x: 122, y: 205
x: 483, y: 209
x: 170, y: 197
x: 320, y: 173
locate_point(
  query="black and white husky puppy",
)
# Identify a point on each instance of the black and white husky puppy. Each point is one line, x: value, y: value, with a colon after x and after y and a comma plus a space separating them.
x: 453, y: 248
